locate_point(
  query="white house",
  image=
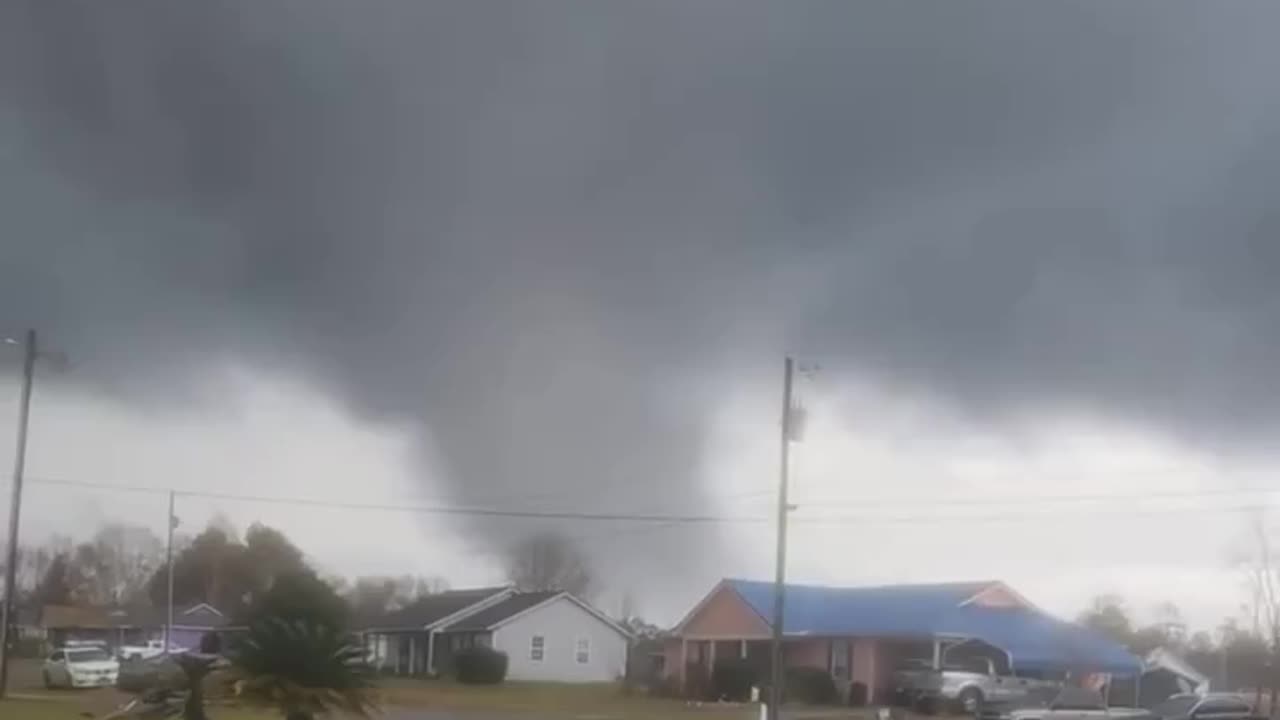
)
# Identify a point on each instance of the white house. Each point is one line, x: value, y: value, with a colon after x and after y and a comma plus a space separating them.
x: 547, y: 636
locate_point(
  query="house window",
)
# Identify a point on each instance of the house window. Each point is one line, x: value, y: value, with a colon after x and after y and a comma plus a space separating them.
x: 582, y: 651
x: 537, y: 644
x: 482, y: 641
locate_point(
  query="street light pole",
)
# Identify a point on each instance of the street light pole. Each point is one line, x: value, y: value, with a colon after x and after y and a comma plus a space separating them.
x: 7, y: 619
x: 780, y: 576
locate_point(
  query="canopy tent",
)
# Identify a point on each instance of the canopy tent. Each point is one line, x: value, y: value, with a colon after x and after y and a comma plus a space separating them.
x: 1164, y: 659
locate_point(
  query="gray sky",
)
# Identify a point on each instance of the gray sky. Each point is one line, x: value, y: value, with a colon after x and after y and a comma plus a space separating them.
x: 548, y: 255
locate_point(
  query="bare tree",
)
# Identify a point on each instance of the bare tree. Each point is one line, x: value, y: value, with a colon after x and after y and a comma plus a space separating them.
x: 548, y: 561
x: 374, y: 594
x: 126, y: 556
x: 1264, y: 585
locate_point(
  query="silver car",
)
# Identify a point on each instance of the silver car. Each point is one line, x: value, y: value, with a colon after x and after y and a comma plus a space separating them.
x: 1210, y: 706
x: 1074, y: 703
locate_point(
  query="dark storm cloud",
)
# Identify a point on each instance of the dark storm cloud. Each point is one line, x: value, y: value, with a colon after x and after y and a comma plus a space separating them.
x: 557, y: 232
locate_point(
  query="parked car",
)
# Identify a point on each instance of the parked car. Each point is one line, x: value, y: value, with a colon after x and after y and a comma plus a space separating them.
x: 79, y: 667
x: 146, y: 674
x: 152, y: 648
x: 966, y: 684
x: 1210, y: 706
x: 1073, y: 703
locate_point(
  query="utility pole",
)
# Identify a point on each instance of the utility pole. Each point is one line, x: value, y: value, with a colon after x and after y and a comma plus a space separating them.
x: 780, y: 576
x: 15, y: 505
x: 168, y: 561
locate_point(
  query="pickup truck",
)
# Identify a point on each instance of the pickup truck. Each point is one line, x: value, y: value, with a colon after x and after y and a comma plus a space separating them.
x: 152, y: 649
x: 966, y: 685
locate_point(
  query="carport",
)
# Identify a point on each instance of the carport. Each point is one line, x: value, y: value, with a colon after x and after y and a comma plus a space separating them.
x: 1036, y: 641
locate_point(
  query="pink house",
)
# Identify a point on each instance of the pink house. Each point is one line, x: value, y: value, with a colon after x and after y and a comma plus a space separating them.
x: 860, y: 635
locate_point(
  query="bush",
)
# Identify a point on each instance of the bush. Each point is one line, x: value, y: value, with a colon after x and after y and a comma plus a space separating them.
x: 732, y: 678
x: 666, y: 687
x: 810, y: 685
x: 480, y: 666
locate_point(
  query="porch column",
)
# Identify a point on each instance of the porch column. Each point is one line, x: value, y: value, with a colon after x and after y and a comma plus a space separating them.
x: 742, y: 650
x: 937, y: 654
x: 399, y: 639
x: 711, y: 655
x: 684, y: 665
x: 413, y: 653
x: 431, y: 652
x: 872, y: 670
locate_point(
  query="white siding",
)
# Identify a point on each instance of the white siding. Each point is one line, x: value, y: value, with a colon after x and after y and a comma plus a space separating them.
x: 561, y: 623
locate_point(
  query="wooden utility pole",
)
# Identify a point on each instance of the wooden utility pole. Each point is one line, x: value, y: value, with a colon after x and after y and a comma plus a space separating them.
x: 780, y: 574
x: 7, y: 619
x: 168, y: 561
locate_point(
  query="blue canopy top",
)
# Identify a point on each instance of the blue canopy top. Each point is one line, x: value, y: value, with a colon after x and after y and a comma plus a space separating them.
x: 1033, y: 639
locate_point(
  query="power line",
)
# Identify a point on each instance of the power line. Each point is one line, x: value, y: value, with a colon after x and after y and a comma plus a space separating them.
x: 418, y: 509
x: 667, y: 520
x: 1038, y: 517
x: 908, y: 503
x: 1037, y: 500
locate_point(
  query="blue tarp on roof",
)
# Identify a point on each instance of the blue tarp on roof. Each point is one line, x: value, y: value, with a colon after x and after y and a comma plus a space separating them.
x: 1033, y: 639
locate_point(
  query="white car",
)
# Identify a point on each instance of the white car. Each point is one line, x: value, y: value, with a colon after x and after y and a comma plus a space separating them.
x: 81, y: 667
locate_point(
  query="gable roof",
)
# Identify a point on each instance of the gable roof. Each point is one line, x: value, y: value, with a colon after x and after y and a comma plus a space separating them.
x: 503, y: 610
x: 435, y: 609
x: 200, y: 616
x: 518, y: 604
x: 879, y: 610
x: 1031, y: 637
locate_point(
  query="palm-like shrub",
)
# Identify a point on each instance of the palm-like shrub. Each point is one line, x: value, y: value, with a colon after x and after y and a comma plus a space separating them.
x: 301, y: 669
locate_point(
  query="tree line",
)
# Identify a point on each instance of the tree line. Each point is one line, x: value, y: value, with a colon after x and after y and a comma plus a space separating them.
x: 1233, y: 657
x: 258, y: 572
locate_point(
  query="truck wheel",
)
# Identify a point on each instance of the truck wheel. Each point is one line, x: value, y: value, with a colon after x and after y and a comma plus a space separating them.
x: 970, y: 700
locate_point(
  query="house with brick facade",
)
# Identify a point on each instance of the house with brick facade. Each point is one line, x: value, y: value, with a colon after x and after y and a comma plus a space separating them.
x: 860, y: 634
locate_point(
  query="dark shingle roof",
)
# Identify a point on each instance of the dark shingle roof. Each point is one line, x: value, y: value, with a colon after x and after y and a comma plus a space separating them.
x: 495, y: 614
x: 85, y: 617
x: 76, y: 616
x: 432, y: 608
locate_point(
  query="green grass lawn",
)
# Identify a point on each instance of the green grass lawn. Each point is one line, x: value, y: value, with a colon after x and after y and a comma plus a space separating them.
x: 62, y: 709
x: 606, y: 700
x: 603, y: 701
